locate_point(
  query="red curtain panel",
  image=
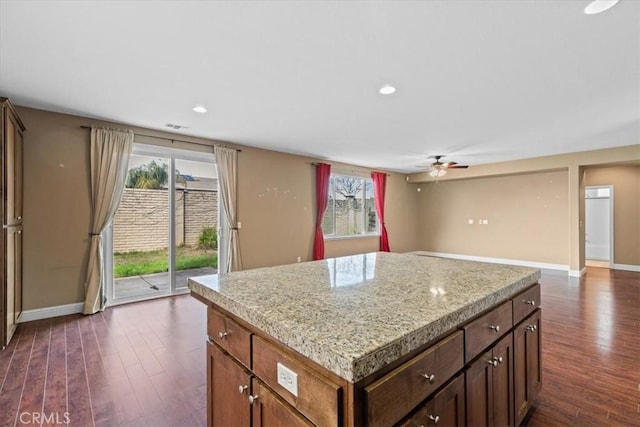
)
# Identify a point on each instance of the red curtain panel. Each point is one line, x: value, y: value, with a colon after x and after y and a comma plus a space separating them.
x: 379, y: 186
x: 323, y: 173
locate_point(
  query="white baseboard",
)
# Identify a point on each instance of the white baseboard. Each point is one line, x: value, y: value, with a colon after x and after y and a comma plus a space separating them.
x: 627, y: 267
x: 47, y: 312
x: 542, y: 265
x: 578, y: 273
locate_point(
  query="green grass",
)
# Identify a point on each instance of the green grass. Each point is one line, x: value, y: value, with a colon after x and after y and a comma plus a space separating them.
x: 137, y: 263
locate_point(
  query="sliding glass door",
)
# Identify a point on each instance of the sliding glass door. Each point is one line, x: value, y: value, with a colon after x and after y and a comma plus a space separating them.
x: 165, y: 229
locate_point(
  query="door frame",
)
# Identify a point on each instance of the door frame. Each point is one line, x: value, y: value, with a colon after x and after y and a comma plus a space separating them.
x: 171, y: 154
x: 611, y: 219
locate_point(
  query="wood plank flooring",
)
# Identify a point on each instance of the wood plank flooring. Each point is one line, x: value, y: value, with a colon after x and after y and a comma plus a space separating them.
x: 143, y: 364
x: 140, y: 364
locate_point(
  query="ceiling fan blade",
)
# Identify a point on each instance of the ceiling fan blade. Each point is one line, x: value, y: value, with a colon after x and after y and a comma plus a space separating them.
x: 458, y: 167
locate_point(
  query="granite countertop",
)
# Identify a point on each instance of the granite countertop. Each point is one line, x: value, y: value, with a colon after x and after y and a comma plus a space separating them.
x: 354, y: 315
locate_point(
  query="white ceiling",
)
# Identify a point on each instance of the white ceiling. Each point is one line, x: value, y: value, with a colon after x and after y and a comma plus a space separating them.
x: 478, y: 81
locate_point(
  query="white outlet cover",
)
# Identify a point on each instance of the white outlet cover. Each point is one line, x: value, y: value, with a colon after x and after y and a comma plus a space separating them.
x: 287, y: 379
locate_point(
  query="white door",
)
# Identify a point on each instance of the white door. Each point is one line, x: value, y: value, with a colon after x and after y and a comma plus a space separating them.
x: 598, y: 219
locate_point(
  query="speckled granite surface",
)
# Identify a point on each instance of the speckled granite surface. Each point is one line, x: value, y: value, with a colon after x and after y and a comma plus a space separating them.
x: 353, y: 315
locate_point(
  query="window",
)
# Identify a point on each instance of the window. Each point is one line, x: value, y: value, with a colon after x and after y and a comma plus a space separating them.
x: 351, y: 208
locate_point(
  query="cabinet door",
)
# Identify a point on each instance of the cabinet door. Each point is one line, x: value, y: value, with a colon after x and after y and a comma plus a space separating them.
x: 502, y: 382
x: 479, y: 385
x: 13, y: 253
x: 269, y: 411
x: 13, y: 170
x: 446, y: 408
x: 527, y: 364
x: 227, y: 391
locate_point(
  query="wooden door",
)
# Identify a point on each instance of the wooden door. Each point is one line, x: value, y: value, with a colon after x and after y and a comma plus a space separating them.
x: 527, y: 364
x: 268, y: 410
x: 479, y: 385
x: 449, y: 405
x: 446, y: 408
x: 12, y: 169
x: 228, y: 390
x: 534, y: 354
x: 502, y: 382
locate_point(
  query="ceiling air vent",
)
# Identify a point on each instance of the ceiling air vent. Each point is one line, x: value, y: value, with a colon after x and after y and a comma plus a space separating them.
x: 176, y: 127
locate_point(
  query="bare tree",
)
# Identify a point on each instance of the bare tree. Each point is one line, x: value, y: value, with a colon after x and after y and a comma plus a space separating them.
x: 348, y: 187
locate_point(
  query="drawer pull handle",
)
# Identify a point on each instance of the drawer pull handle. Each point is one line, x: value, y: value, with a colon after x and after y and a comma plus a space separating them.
x: 242, y: 388
x: 532, y: 328
x: 495, y: 328
x: 222, y: 335
x: 435, y: 419
x: 252, y: 399
x: 430, y: 377
x: 493, y: 362
x: 530, y: 302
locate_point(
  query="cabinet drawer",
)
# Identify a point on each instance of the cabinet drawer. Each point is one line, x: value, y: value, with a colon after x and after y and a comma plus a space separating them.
x: 525, y: 303
x: 482, y: 332
x: 393, y: 396
x: 315, y: 397
x: 230, y: 336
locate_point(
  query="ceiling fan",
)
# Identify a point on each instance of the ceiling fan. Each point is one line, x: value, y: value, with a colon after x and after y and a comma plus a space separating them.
x: 439, y: 168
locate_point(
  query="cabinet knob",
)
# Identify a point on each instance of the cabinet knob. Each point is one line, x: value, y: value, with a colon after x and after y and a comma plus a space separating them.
x: 222, y: 335
x: 435, y: 419
x: 495, y: 328
x: 532, y: 328
x: 19, y: 231
x: 252, y: 399
x: 242, y: 388
x: 530, y: 302
x: 493, y: 362
x: 497, y: 359
x: 20, y: 217
x: 430, y: 377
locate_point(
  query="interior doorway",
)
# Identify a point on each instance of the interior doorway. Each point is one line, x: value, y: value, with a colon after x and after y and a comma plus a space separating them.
x: 599, y: 226
x: 166, y: 227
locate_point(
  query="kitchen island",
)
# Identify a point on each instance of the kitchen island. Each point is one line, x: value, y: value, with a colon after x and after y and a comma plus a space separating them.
x: 372, y: 339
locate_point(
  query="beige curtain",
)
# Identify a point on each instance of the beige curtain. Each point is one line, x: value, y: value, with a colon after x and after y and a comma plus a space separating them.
x: 227, y: 163
x: 110, y: 152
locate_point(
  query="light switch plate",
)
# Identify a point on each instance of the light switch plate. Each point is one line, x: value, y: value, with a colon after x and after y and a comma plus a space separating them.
x: 288, y: 379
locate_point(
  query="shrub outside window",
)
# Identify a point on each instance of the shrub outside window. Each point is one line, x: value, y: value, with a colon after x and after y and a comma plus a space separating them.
x: 351, y: 208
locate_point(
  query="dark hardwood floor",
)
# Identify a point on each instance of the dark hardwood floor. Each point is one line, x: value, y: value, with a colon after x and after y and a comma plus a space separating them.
x: 140, y: 364
x: 143, y: 364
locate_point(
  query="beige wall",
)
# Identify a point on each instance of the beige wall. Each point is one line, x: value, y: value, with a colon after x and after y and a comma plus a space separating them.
x: 277, y: 210
x: 527, y: 214
x: 276, y: 207
x: 626, y: 210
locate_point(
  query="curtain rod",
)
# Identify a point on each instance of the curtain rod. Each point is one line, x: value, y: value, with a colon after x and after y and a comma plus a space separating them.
x: 173, y: 139
x: 352, y: 169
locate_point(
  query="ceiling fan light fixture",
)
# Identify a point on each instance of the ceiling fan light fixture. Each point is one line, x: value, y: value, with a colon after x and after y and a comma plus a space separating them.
x: 599, y: 6
x: 437, y: 172
x: 387, y: 90
x: 200, y: 109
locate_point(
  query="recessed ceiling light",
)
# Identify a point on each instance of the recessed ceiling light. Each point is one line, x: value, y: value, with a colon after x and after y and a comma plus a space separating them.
x: 598, y: 6
x: 199, y: 109
x: 387, y: 90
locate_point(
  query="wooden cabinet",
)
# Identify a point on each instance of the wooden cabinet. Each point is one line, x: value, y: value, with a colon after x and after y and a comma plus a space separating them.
x: 11, y: 141
x: 228, y: 390
x: 483, y: 372
x: 527, y: 364
x: 315, y: 397
x: 446, y: 408
x: 269, y: 411
x: 393, y: 396
x: 489, y: 386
